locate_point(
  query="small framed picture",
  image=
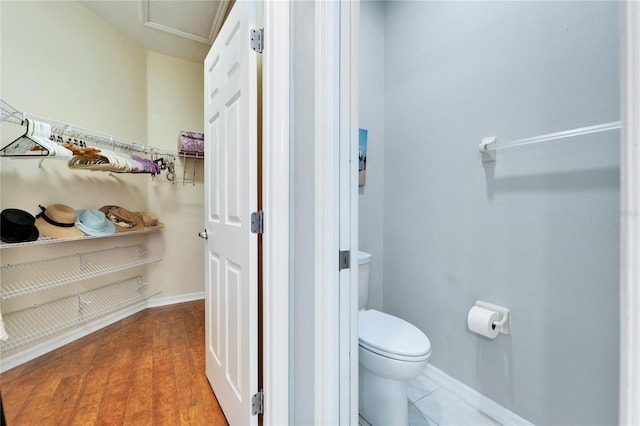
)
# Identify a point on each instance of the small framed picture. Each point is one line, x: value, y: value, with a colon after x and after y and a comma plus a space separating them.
x: 362, y: 163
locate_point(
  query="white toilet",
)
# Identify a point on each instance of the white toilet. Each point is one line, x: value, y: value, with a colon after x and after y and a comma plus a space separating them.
x: 391, y: 351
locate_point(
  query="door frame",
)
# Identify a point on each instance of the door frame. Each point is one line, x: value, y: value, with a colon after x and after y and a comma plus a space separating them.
x: 326, y: 221
x: 629, y: 409
x: 336, y: 212
x: 277, y: 253
x: 275, y: 202
x: 349, y: 208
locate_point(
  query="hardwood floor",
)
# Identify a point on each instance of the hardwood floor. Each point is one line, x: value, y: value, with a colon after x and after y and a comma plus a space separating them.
x: 147, y: 369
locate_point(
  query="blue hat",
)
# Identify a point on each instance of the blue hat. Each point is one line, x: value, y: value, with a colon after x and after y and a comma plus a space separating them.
x: 94, y: 222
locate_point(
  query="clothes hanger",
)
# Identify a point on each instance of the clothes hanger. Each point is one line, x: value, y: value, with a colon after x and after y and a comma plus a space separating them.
x: 25, y: 145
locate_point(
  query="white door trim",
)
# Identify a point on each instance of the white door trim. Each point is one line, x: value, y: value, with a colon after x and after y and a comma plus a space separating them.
x: 349, y: 148
x: 275, y: 199
x: 630, y: 218
x: 326, y: 221
x: 336, y: 145
x: 629, y: 412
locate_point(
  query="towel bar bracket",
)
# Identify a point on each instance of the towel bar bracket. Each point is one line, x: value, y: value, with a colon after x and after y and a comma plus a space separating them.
x: 487, y: 153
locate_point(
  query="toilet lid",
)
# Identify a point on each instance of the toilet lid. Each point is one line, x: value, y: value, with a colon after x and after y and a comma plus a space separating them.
x: 391, y: 335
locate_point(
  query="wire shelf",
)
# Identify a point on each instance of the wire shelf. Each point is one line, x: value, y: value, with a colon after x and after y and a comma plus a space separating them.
x: 32, y: 277
x: 7, y: 112
x: 40, y: 321
x: 10, y: 113
x: 48, y: 240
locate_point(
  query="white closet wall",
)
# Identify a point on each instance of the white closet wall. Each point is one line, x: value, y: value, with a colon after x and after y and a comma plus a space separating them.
x: 175, y: 102
x: 61, y: 61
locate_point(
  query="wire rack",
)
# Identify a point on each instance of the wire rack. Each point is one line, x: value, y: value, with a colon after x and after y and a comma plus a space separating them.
x: 13, y: 115
x: 7, y: 112
x: 31, y: 277
x: 40, y: 321
x: 49, y: 240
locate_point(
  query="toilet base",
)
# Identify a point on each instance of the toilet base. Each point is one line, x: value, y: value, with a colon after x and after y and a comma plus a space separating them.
x: 382, y: 401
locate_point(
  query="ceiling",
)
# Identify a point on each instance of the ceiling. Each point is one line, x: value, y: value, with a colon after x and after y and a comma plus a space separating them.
x: 180, y: 28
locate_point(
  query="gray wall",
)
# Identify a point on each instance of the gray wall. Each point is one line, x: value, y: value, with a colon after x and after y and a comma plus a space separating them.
x: 371, y: 101
x: 538, y: 230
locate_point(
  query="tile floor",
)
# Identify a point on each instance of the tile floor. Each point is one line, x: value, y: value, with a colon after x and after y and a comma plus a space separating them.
x: 432, y: 405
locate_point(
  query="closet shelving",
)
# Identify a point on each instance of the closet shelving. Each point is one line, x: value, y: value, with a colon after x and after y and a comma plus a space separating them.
x: 13, y: 115
x: 42, y: 320
x: 32, y: 277
x: 195, y: 156
x: 7, y: 112
x: 20, y: 279
x: 48, y: 240
x: 34, y: 323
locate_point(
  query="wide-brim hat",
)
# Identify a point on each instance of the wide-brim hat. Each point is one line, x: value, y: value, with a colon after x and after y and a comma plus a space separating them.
x: 58, y: 221
x: 94, y: 223
x: 123, y: 219
x: 150, y: 220
x: 17, y: 226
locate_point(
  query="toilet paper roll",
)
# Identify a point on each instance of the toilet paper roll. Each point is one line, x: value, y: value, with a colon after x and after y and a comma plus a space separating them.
x: 480, y: 320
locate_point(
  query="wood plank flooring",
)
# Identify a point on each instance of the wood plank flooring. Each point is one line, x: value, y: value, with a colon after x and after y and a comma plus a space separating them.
x: 147, y: 369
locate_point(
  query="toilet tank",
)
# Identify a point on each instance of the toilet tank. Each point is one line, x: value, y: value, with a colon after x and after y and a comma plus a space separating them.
x: 364, y: 274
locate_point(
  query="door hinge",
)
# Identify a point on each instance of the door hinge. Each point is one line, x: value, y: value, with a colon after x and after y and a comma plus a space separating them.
x: 344, y: 260
x: 257, y: 222
x: 257, y: 40
x: 257, y: 403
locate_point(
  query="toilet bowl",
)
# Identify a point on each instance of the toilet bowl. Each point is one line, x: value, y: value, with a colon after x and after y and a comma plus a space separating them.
x: 391, y: 351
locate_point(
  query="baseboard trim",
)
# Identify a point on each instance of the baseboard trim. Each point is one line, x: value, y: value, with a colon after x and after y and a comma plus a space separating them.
x: 20, y: 357
x: 171, y: 300
x: 489, y: 407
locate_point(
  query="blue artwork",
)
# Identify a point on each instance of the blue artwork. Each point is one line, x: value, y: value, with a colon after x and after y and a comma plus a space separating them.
x: 363, y: 149
x: 362, y: 163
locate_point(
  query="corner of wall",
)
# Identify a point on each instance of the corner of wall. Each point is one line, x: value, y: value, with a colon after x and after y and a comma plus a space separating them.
x: 174, y: 93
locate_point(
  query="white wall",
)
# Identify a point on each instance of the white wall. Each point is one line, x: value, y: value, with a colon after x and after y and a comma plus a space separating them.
x: 62, y: 62
x: 537, y: 231
x: 174, y: 103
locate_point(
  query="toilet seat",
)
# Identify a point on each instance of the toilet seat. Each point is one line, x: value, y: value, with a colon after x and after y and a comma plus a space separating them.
x: 392, y: 337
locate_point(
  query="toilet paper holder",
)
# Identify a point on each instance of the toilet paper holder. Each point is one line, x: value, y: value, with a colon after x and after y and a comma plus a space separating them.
x: 503, y: 325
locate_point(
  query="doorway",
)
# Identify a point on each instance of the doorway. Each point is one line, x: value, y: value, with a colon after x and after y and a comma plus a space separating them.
x: 407, y: 184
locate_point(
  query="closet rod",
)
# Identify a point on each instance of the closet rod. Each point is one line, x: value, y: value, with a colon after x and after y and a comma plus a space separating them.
x: 489, y: 145
x: 86, y: 135
x: 91, y: 136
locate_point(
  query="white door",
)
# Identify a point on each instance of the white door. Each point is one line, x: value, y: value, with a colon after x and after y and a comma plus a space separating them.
x: 230, y: 196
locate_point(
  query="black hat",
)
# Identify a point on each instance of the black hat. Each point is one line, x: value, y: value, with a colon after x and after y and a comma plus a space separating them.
x: 17, y: 226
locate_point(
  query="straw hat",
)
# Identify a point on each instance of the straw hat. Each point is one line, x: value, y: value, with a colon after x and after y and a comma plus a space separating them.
x: 150, y: 220
x: 17, y: 226
x: 58, y: 221
x: 94, y: 222
x: 123, y: 219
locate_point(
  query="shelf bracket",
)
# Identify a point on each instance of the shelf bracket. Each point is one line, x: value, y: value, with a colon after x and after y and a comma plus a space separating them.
x: 83, y: 261
x: 141, y: 283
x: 82, y: 302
